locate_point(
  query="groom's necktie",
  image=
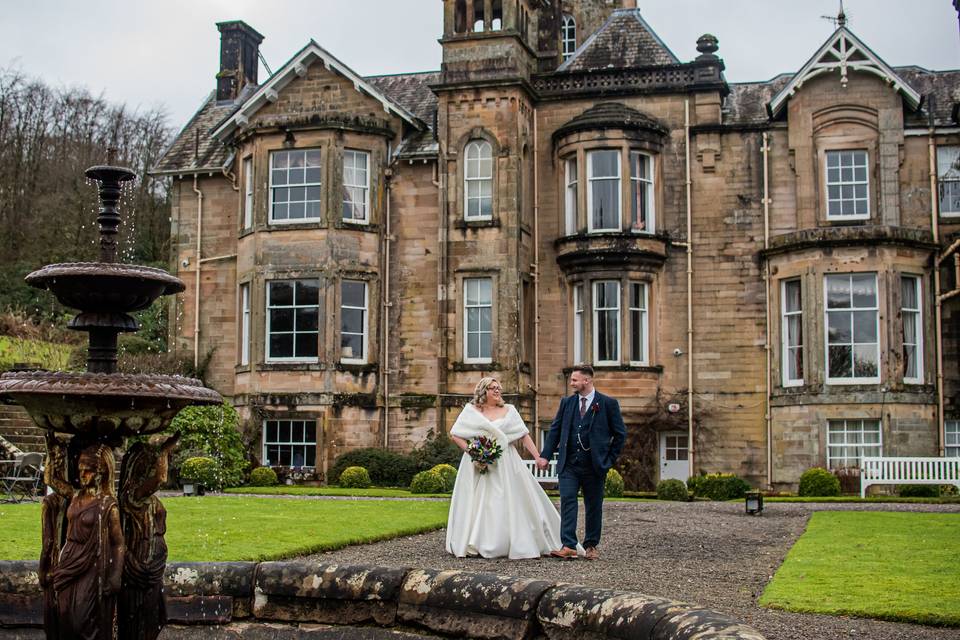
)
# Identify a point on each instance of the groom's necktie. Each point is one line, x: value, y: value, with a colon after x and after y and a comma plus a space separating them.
x: 583, y: 406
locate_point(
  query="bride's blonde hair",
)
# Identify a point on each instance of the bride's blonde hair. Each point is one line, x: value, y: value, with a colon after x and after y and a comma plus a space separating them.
x: 480, y: 392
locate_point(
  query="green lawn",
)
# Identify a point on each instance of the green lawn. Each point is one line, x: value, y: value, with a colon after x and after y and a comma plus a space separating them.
x: 372, y: 492
x: 217, y: 528
x: 891, y: 566
x: 48, y: 355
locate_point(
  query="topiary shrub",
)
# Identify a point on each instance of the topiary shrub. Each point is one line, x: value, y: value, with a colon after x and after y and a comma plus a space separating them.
x: 918, y: 491
x: 427, y: 482
x: 449, y: 475
x: 355, y: 478
x: 386, y: 468
x: 212, y: 432
x: 718, y: 486
x: 263, y: 477
x: 203, y: 471
x: 613, y: 485
x: 818, y: 482
x: 672, y: 490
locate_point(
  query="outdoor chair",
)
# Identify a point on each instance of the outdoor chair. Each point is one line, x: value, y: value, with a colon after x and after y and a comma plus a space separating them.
x: 22, y: 478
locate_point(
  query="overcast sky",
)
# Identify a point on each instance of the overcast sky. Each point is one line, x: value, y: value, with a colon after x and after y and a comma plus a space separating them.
x: 166, y: 53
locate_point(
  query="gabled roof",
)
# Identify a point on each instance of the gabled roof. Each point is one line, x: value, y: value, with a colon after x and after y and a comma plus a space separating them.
x: 193, y: 150
x: 624, y: 41
x: 297, y: 67
x: 843, y: 52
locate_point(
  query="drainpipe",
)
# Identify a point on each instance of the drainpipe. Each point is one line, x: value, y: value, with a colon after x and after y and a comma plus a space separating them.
x: 385, y: 366
x: 196, y: 297
x: 691, y: 442
x: 440, y: 183
x: 535, y: 267
x: 766, y: 281
x: 934, y: 216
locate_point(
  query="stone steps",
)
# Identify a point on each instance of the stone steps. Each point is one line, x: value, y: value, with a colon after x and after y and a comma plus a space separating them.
x: 19, y: 430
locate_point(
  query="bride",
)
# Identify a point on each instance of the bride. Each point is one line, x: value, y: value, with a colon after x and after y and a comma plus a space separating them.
x: 503, y: 512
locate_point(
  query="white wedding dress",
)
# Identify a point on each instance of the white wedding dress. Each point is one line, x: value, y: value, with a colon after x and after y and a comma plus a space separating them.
x: 503, y: 512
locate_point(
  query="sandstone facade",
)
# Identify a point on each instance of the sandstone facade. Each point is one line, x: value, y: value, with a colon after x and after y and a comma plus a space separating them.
x: 751, y: 268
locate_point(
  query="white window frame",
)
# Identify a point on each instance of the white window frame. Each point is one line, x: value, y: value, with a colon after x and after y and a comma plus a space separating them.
x: 365, y: 330
x: 646, y: 184
x: 306, y: 185
x: 350, y: 157
x: 245, y: 324
x: 248, y: 192
x: 568, y: 36
x: 841, y: 183
x: 850, y: 434
x: 951, y: 444
x: 786, y: 315
x: 290, y: 442
x: 571, y: 195
x: 271, y: 358
x: 467, y: 308
x: 597, y: 310
x: 578, y: 320
x: 917, y: 338
x: 642, y: 312
x: 478, y: 146
x: 591, y: 179
x: 948, y: 173
x: 850, y: 310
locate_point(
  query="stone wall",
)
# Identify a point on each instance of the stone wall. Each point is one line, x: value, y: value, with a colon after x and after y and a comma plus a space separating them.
x: 300, y: 600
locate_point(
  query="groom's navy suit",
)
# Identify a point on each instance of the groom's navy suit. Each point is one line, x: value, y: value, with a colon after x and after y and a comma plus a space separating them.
x: 589, y: 446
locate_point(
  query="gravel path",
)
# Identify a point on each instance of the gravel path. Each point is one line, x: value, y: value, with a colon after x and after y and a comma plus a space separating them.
x: 704, y: 552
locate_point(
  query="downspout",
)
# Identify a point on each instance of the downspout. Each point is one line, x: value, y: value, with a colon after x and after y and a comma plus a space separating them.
x: 536, y: 283
x: 934, y: 216
x: 385, y: 366
x: 196, y: 296
x: 766, y: 280
x: 440, y: 183
x: 691, y: 442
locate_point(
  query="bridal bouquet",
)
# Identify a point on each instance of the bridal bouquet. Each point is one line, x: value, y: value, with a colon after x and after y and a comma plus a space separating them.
x: 484, y: 452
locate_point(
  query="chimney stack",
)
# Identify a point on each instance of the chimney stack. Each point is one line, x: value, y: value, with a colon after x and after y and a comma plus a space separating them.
x: 239, y: 53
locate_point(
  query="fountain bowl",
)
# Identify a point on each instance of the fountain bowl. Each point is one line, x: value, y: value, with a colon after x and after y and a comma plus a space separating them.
x: 105, y: 286
x: 103, y: 405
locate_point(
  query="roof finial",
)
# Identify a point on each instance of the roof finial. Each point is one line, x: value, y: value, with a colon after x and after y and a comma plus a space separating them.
x: 841, y: 20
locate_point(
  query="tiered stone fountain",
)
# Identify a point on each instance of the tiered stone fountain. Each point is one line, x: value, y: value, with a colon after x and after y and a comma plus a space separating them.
x: 103, y: 557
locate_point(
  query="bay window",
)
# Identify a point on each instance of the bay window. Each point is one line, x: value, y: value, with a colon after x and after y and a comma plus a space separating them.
x: 603, y: 193
x: 356, y: 186
x: 638, y: 323
x: 912, y: 319
x: 641, y: 192
x: 853, y: 328
x: 571, y: 196
x: 293, y: 320
x: 791, y: 333
x: 578, y: 329
x: 606, y: 322
x: 295, y: 185
x: 353, y: 322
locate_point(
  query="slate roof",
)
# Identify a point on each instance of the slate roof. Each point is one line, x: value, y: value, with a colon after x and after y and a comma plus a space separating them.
x: 194, y: 148
x: 624, y: 41
x: 747, y: 102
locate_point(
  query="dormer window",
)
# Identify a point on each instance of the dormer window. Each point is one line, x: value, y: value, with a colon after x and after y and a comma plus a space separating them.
x: 568, y: 36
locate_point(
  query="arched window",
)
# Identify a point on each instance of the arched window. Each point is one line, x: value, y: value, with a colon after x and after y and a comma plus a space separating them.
x: 478, y: 181
x: 568, y: 36
x: 460, y: 16
x: 478, y: 16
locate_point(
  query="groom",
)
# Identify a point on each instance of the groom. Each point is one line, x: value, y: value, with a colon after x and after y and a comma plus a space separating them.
x: 589, y: 432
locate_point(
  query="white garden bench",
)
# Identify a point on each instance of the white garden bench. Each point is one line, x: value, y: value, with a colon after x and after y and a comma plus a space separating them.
x: 908, y: 471
x: 543, y: 476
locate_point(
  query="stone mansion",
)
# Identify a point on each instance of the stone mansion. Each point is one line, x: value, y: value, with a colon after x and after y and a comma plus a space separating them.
x: 764, y: 273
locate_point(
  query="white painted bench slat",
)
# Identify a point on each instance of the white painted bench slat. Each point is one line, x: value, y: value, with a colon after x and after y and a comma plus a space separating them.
x: 543, y: 476
x: 881, y: 470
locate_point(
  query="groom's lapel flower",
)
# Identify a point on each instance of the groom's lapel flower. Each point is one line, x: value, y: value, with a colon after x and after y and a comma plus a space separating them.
x: 596, y: 407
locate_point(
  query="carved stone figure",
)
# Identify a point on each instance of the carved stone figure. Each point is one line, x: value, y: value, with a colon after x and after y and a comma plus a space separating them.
x: 54, y: 526
x: 88, y: 572
x: 141, y: 613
